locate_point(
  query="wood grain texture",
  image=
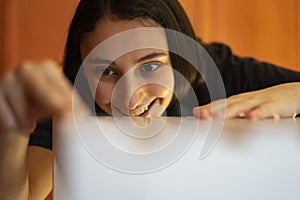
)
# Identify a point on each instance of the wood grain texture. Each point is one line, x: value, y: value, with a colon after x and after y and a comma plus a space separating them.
x: 34, y: 30
x: 265, y: 30
x: 10, y: 34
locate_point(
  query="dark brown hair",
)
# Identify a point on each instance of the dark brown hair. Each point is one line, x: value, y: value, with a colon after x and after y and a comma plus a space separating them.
x: 168, y: 13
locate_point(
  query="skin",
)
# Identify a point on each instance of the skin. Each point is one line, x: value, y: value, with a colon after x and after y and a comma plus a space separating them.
x: 138, y: 83
x: 26, y: 172
x: 39, y: 90
x: 281, y: 101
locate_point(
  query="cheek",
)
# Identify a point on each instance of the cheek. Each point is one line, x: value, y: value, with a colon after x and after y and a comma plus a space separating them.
x: 164, y: 86
x: 100, y: 90
x: 104, y: 93
x: 161, y: 83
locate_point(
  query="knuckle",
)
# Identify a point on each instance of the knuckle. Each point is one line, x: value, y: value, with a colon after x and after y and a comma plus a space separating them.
x: 24, y: 69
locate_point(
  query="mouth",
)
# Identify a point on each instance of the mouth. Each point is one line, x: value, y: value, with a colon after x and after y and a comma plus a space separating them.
x: 144, y: 111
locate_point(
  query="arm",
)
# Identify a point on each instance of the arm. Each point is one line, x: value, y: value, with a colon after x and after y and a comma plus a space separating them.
x: 276, y: 102
x: 243, y: 75
x: 32, y: 92
x: 13, y: 168
x: 26, y: 173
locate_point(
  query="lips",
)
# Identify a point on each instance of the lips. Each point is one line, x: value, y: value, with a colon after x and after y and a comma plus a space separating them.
x: 143, y: 111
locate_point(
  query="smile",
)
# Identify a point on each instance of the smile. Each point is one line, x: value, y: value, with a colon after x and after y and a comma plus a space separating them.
x: 144, y: 110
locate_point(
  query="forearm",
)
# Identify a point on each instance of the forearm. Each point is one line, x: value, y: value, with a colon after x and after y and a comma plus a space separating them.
x: 26, y: 172
x: 13, y: 169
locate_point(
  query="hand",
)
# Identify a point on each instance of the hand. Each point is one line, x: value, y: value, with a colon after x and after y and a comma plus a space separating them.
x: 34, y: 91
x: 279, y: 101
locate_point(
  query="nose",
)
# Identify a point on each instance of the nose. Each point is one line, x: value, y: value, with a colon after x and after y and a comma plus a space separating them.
x: 128, y: 92
x: 136, y: 98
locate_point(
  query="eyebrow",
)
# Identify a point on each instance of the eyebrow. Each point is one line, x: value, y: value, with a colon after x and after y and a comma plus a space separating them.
x: 151, y: 56
x: 142, y: 59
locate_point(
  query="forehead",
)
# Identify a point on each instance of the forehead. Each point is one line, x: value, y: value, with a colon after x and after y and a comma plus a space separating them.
x: 109, y: 26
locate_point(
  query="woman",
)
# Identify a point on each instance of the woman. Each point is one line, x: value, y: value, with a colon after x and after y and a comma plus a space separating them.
x: 40, y: 90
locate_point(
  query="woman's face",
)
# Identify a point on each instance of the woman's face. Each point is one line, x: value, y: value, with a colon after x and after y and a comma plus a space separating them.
x: 138, y: 83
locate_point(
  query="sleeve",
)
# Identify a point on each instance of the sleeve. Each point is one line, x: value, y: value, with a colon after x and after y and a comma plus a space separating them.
x: 42, y: 135
x: 247, y: 74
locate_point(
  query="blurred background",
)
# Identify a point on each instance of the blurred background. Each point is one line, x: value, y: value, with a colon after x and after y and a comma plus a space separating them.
x: 267, y: 30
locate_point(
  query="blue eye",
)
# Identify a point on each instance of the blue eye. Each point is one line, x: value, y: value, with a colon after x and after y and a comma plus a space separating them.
x: 149, y: 67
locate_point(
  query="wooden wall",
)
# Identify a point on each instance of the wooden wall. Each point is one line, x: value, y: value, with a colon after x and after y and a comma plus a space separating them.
x: 1, y: 35
x: 33, y: 30
x: 268, y: 30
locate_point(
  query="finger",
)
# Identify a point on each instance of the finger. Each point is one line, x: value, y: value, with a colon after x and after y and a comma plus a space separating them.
x: 52, y: 93
x: 239, y: 107
x: 202, y: 112
x: 269, y: 110
x: 40, y: 91
x: 70, y: 100
x: 51, y: 71
x: 7, y: 119
x: 16, y: 100
x: 214, y: 109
